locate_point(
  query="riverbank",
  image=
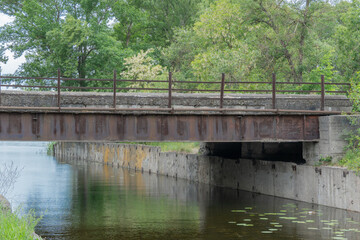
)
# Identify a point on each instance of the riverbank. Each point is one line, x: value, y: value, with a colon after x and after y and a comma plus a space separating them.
x: 14, y: 227
x: 325, y: 185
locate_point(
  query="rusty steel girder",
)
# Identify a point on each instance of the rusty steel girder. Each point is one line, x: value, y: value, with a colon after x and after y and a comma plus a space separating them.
x: 66, y: 126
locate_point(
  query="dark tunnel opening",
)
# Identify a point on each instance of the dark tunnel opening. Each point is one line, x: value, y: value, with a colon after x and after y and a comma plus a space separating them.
x: 270, y: 151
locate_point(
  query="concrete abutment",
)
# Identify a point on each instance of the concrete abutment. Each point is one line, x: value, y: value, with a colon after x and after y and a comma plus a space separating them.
x: 333, y: 131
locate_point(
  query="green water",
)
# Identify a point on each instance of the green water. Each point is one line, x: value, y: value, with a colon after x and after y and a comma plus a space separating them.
x: 89, y: 201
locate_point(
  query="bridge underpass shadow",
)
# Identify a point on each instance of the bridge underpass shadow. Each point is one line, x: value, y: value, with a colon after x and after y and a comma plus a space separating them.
x: 285, y: 151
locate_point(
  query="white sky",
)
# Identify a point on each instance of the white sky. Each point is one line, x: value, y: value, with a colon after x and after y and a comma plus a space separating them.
x: 12, y: 64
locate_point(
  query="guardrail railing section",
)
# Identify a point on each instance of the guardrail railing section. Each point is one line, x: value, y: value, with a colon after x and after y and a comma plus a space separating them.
x: 60, y: 84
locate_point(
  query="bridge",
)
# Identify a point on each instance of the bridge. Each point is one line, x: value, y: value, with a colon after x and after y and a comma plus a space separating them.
x: 234, y: 112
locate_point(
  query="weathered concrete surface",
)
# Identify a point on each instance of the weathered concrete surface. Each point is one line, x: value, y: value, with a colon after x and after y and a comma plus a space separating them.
x: 143, y: 100
x: 333, y: 133
x: 329, y: 186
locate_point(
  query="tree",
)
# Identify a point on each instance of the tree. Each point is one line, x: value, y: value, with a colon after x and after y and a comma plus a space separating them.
x: 347, y: 39
x: 72, y: 35
x: 143, y: 67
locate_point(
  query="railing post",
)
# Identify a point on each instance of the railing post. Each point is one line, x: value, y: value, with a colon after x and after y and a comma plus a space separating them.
x: 114, y: 86
x: 58, y: 87
x: 0, y: 86
x: 170, y: 90
x: 274, y: 91
x: 322, y: 107
x: 222, y: 90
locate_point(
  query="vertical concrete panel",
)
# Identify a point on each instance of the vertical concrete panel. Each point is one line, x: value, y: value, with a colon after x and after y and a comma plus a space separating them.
x: 306, y: 182
x: 204, y: 168
x: 230, y: 170
x: 284, y: 180
x: 352, y: 182
x: 245, y: 176
x: 264, y: 181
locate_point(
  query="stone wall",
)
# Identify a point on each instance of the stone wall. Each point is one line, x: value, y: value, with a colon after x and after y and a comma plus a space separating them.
x: 329, y: 186
x: 139, y: 100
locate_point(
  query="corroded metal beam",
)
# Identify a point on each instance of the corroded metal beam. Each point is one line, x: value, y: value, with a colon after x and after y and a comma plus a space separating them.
x: 66, y: 126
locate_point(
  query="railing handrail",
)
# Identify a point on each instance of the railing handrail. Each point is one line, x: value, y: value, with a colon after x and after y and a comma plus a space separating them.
x: 56, y: 85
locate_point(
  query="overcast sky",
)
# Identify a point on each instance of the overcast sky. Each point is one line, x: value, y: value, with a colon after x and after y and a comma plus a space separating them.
x: 12, y: 64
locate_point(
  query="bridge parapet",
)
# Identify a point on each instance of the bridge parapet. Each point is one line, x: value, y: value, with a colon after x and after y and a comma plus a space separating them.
x: 191, y: 101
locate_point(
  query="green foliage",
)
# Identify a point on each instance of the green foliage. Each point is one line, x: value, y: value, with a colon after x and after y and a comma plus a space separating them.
x: 324, y: 161
x: 17, y: 226
x: 347, y: 39
x: 197, y: 40
x: 50, y: 148
x: 351, y: 160
x: 143, y: 67
x: 354, y: 93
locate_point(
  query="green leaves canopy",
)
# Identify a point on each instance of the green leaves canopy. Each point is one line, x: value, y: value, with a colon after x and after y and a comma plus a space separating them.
x: 197, y: 39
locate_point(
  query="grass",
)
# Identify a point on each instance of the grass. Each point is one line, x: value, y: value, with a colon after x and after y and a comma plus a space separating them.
x: 13, y: 227
x: 50, y: 148
x: 181, y: 147
x: 324, y: 161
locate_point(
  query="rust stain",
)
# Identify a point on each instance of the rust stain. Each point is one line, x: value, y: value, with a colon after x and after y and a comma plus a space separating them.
x: 126, y: 157
x: 112, y: 127
x: 140, y: 157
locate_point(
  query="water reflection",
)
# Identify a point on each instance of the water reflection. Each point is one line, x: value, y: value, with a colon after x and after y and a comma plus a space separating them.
x: 92, y: 201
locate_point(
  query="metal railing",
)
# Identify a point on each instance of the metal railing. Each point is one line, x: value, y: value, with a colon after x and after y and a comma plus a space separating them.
x: 58, y: 84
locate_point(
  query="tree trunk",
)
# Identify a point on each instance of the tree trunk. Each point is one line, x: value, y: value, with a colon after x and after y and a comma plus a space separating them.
x: 128, y: 34
x: 303, y: 34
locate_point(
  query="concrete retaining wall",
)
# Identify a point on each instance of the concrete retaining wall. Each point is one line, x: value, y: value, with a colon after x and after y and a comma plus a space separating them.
x: 329, y: 186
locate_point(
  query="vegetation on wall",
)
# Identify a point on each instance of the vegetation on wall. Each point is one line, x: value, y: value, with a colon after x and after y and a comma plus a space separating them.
x: 351, y: 160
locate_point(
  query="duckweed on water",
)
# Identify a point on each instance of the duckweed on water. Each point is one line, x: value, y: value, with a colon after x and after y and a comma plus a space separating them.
x: 239, y: 211
x: 274, y: 223
x: 307, y: 216
x: 288, y: 218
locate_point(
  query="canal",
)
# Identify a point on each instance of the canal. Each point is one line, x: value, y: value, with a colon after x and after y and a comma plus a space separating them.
x: 91, y: 201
